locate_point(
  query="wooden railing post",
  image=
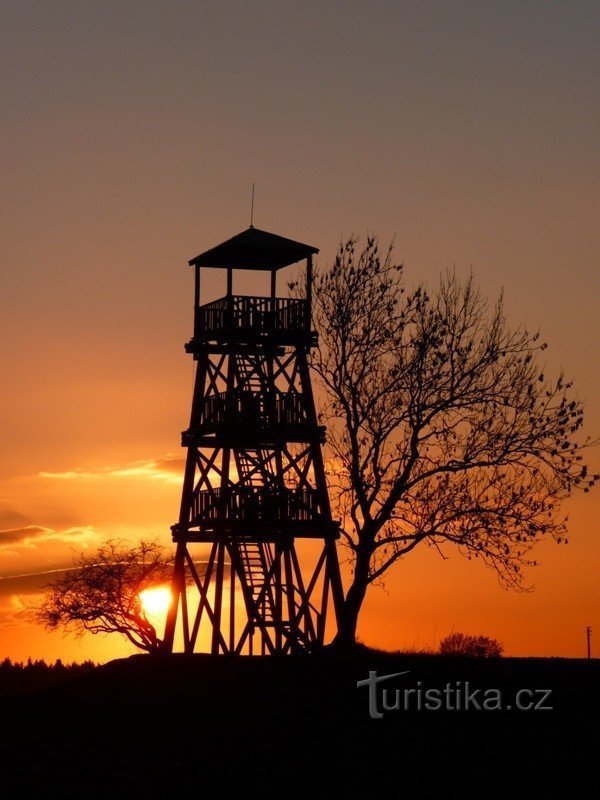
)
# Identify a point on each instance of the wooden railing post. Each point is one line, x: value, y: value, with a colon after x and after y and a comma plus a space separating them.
x: 197, y: 325
x: 309, y: 281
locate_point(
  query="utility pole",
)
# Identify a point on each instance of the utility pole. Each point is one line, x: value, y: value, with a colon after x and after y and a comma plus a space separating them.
x: 588, y: 636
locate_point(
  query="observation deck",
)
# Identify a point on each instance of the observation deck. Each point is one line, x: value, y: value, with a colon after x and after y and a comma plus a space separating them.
x: 265, y: 417
x: 256, y: 510
x: 243, y: 319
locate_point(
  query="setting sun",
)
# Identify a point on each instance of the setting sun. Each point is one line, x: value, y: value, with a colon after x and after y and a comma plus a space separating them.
x: 156, y: 600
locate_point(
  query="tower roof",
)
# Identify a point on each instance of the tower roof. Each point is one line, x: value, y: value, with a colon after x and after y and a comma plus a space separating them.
x: 254, y: 249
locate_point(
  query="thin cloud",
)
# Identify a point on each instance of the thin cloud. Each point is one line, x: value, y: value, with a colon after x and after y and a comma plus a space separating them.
x: 68, y: 476
x: 29, y: 583
x: 14, y: 612
x: 169, y: 468
x: 18, y: 593
x: 13, y: 535
x: 10, y: 517
x: 30, y: 536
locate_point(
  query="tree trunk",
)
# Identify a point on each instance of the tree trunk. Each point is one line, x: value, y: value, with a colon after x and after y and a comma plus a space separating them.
x: 346, y: 635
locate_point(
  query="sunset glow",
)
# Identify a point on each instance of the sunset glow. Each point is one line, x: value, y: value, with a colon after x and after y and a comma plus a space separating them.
x: 156, y: 600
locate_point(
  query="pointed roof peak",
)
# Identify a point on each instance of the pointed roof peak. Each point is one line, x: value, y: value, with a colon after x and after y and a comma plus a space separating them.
x: 254, y: 249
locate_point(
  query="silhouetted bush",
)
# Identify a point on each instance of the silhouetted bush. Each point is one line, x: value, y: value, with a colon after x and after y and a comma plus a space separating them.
x: 462, y: 644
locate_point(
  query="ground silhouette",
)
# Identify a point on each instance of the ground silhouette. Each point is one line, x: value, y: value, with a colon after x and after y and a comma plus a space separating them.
x: 297, y: 727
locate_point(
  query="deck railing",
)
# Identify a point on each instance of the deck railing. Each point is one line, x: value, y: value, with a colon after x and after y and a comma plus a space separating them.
x: 260, y: 409
x: 255, y: 315
x: 255, y: 504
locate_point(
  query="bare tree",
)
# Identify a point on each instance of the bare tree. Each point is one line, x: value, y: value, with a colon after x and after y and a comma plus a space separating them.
x: 101, y: 593
x: 443, y: 428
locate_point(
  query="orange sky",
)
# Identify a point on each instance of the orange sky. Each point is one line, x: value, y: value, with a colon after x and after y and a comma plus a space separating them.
x: 131, y: 135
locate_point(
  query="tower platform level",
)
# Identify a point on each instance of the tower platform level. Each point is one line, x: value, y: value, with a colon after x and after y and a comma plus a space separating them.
x: 256, y: 567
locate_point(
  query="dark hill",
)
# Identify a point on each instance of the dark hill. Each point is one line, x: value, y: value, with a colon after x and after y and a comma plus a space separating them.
x: 299, y: 727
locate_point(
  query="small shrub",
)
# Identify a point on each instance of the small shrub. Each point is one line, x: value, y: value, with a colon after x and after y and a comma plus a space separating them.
x: 462, y: 644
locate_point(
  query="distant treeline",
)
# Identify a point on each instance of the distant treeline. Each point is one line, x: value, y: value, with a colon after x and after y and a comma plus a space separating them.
x: 18, y: 677
x: 39, y: 665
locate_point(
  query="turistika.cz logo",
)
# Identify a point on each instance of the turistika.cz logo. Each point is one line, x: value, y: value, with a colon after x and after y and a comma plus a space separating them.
x: 454, y: 696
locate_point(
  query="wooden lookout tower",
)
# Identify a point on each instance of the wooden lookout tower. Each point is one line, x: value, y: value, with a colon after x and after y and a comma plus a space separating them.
x: 256, y: 567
